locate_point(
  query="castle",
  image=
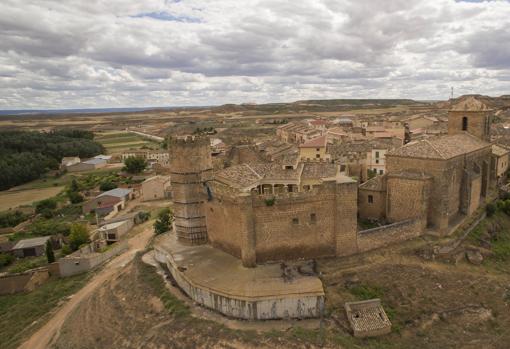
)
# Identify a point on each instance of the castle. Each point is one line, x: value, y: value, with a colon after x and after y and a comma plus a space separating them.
x: 308, y: 209
x: 263, y: 212
x: 229, y: 225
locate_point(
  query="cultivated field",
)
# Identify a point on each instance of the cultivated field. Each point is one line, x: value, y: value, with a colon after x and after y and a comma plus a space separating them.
x: 14, y: 198
x: 117, y: 142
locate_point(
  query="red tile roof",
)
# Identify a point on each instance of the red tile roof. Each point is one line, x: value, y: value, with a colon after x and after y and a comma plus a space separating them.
x: 314, y: 143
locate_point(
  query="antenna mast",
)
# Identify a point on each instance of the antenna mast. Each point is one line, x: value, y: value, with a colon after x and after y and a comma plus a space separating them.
x: 451, y: 94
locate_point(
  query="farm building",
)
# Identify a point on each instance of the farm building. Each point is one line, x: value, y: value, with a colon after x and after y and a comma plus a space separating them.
x: 89, y: 165
x: 30, y: 247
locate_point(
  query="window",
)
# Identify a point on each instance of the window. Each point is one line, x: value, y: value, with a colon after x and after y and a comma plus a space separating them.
x: 370, y: 199
x: 317, y: 149
x: 464, y: 123
x: 381, y: 171
x: 376, y: 154
x: 317, y: 156
x: 376, y: 161
x: 313, y: 218
x: 295, y: 220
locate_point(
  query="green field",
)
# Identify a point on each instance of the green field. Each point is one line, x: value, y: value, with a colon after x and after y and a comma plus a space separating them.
x: 117, y: 142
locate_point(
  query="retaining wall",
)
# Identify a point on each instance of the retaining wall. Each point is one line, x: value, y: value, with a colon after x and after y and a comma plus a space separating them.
x: 77, y: 262
x: 388, y: 234
x: 248, y: 308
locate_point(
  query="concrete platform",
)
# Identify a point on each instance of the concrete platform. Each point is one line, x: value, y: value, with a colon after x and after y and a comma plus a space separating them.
x: 218, y: 281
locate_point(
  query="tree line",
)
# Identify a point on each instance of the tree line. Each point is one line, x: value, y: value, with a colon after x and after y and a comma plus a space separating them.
x: 26, y: 155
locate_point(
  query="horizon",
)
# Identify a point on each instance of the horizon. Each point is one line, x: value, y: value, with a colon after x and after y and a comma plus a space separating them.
x: 189, y: 53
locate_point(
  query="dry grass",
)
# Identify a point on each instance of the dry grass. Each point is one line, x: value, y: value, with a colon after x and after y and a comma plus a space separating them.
x: 10, y: 199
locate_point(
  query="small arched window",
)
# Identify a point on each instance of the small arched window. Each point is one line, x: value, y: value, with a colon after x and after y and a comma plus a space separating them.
x: 464, y: 123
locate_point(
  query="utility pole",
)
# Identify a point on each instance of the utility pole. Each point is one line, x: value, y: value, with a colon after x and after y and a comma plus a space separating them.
x: 451, y: 94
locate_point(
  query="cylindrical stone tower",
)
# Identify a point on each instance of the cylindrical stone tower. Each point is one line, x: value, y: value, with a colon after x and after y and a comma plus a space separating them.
x: 190, y: 169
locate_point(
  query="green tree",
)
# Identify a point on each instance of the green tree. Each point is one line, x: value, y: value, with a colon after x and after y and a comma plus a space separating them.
x: 78, y: 236
x: 50, y: 256
x: 74, y: 187
x: 135, y: 164
x: 107, y: 185
x: 75, y: 197
x: 162, y: 224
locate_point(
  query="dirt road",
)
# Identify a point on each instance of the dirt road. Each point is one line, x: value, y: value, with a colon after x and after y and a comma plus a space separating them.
x: 47, y: 334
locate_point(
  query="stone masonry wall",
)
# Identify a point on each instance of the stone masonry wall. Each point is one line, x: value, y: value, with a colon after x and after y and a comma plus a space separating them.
x: 371, y: 210
x: 389, y: 234
x: 286, y: 229
x: 346, y: 222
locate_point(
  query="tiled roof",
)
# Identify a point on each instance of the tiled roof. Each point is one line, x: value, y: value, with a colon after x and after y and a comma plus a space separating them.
x: 499, y: 151
x: 248, y: 175
x: 314, y: 143
x: 312, y: 170
x: 445, y: 147
x: 375, y: 183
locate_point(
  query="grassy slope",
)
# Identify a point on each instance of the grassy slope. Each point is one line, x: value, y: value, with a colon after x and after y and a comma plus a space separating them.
x: 22, y: 313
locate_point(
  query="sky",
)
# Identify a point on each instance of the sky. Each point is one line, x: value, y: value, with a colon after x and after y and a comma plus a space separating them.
x: 131, y: 53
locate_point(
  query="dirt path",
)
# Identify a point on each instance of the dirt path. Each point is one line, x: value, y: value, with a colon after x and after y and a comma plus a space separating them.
x: 47, y: 334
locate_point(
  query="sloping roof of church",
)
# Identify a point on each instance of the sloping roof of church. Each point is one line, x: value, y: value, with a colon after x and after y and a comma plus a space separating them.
x: 470, y: 104
x: 445, y: 147
x: 375, y: 183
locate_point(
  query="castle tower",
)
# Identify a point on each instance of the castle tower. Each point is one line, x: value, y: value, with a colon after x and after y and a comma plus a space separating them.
x: 190, y: 169
x: 472, y: 116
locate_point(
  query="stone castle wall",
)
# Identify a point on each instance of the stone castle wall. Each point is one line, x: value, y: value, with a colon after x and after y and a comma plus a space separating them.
x: 260, y: 228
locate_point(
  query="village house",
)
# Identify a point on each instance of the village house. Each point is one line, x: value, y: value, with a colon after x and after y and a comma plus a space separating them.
x: 155, y: 188
x: 33, y: 247
x: 159, y: 156
x: 294, y: 132
x: 314, y: 149
x: 113, y: 232
x: 88, y: 165
x: 111, y: 200
x: 69, y: 161
x: 499, y: 168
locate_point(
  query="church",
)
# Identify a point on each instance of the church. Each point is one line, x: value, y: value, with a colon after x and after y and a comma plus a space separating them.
x: 436, y: 180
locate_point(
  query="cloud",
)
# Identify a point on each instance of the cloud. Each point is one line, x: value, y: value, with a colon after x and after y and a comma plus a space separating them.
x: 57, y: 54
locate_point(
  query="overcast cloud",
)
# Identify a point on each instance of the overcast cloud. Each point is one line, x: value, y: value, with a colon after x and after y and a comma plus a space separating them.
x: 132, y: 53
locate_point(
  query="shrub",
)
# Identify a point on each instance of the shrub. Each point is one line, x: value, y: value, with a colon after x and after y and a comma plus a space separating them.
x: 162, y: 224
x: 490, y: 209
x: 66, y: 250
x: 12, y: 219
x: 270, y: 202
x: 5, y: 259
x: 75, y: 197
x: 46, y: 205
x: 107, y: 185
x: 143, y: 216
x: 50, y: 256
